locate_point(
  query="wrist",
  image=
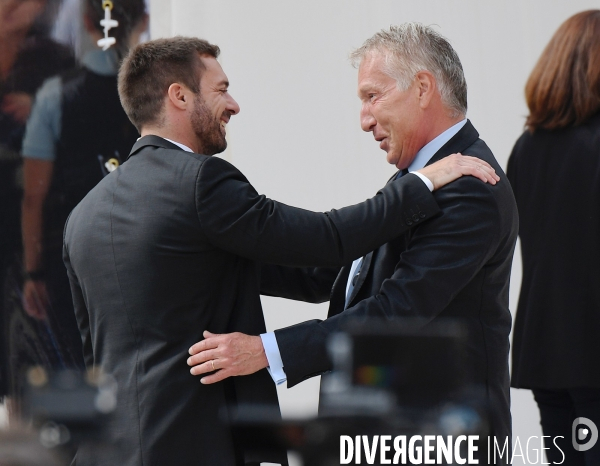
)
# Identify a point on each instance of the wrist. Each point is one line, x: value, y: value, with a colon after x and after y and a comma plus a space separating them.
x: 262, y: 355
x: 34, y: 275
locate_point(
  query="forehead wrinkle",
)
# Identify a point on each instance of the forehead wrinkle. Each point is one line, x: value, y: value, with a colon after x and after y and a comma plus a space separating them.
x: 369, y: 85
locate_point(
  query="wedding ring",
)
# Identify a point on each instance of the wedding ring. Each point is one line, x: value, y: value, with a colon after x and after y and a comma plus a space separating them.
x: 212, y: 361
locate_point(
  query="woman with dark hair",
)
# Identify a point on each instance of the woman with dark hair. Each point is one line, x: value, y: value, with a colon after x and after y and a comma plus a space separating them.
x: 554, y: 170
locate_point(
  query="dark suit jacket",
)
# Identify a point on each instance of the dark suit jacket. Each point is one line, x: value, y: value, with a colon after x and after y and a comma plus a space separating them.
x: 455, y: 265
x: 556, y: 179
x: 166, y: 247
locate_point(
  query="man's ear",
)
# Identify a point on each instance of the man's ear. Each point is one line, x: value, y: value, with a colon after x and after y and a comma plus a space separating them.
x: 427, y: 87
x: 179, y: 96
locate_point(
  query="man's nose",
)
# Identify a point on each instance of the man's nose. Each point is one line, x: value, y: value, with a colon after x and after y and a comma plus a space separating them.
x: 233, y: 106
x: 367, y: 121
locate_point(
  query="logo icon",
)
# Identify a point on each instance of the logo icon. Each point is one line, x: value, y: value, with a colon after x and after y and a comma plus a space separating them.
x: 581, y: 434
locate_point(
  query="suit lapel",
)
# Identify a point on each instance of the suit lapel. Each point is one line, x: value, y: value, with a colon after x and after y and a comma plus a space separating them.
x: 338, y: 292
x: 364, y: 271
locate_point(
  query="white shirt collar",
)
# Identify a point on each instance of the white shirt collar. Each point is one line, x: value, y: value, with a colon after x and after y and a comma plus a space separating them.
x: 429, y: 149
x: 184, y: 147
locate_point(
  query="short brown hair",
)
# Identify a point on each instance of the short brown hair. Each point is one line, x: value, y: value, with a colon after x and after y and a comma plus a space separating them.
x: 150, y: 68
x: 564, y: 87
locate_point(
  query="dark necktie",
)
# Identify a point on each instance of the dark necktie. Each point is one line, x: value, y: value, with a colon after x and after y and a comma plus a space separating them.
x: 401, y: 173
x: 354, y: 281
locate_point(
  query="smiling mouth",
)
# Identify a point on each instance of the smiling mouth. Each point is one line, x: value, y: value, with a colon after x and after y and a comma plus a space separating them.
x: 382, y: 142
x: 223, y: 126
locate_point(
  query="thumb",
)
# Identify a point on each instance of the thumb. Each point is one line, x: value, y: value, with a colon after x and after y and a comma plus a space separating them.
x: 207, y: 334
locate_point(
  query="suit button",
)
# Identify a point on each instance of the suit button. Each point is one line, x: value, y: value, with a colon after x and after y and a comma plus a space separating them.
x: 422, y: 214
x: 409, y: 222
x: 415, y: 217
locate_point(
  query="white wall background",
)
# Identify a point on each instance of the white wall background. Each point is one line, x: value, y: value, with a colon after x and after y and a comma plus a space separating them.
x: 298, y: 137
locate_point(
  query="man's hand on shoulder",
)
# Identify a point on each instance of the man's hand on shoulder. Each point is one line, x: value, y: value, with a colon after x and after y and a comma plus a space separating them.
x: 454, y: 166
x: 226, y: 355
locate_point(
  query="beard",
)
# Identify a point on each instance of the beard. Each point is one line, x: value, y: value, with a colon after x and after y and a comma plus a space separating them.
x: 208, y: 129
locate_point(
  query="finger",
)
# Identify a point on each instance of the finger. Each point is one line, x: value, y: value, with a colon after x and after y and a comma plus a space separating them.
x: 40, y: 313
x: 21, y: 116
x: 10, y: 109
x: 28, y: 307
x: 32, y: 309
x: 216, y: 377
x: 207, y: 334
x: 480, y: 173
x: 201, y: 357
x: 489, y: 172
x: 40, y: 301
x: 469, y: 163
x: 203, y: 345
x: 203, y: 368
x: 482, y: 164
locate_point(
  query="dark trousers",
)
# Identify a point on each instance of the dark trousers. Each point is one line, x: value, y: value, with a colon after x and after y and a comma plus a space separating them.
x: 558, y: 411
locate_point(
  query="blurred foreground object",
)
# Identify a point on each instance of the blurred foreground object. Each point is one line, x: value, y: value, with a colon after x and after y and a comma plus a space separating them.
x: 397, y: 380
x: 69, y: 408
x: 19, y: 447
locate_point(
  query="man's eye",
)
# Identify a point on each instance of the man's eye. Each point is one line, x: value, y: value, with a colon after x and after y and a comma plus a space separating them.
x: 371, y: 96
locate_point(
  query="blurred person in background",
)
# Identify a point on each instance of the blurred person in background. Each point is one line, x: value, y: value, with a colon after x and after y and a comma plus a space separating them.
x: 27, y: 58
x: 77, y: 133
x: 554, y: 169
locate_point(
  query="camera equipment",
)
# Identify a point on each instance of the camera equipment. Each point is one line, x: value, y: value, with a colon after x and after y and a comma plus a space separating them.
x: 69, y: 407
x: 401, y: 379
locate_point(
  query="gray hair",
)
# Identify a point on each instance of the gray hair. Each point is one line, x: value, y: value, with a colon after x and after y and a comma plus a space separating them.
x: 413, y: 47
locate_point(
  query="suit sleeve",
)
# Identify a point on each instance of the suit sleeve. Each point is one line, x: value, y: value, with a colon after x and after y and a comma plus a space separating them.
x: 443, y: 256
x: 236, y: 218
x: 309, y: 284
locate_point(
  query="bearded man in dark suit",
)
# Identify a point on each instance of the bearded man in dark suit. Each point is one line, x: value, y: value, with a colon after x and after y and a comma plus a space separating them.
x: 414, y: 101
x: 168, y: 245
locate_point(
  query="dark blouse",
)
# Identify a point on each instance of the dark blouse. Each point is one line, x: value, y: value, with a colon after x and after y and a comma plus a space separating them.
x: 555, y: 176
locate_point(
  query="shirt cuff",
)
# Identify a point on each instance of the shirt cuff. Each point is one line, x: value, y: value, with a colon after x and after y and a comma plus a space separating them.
x: 425, y: 180
x: 274, y: 357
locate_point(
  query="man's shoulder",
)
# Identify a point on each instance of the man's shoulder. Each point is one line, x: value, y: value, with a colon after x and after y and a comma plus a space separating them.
x: 205, y: 170
x: 481, y: 150
x: 151, y: 159
x: 468, y: 199
x: 175, y: 155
